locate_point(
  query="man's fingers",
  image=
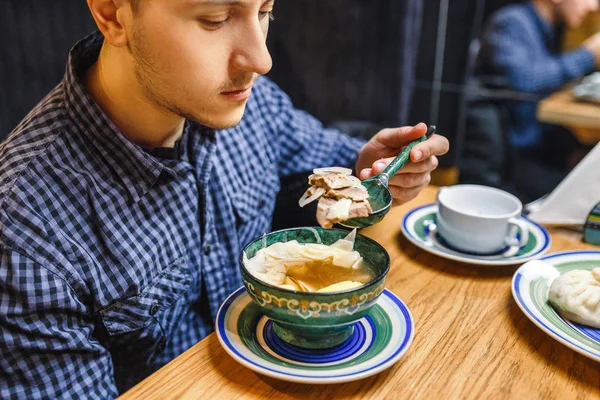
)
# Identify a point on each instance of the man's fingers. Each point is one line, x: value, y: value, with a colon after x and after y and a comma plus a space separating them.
x: 366, y: 173
x: 416, y: 174
x: 405, y: 195
x: 409, y: 181
x: 403, y: 187
x: 396, y: 138
x: 427, y: 165
x: 436, y: 145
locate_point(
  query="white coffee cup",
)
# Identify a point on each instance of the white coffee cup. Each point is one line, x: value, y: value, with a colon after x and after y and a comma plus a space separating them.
x: 480, y: 219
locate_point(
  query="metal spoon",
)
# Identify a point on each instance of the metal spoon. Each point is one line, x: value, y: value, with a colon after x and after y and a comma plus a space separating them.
x: 380, y: 196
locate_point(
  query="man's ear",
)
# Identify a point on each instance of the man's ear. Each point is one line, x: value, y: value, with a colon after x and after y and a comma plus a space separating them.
x: 110, y: 16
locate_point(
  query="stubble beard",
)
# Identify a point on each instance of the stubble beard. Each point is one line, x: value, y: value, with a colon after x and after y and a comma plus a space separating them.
x: 147, y: 75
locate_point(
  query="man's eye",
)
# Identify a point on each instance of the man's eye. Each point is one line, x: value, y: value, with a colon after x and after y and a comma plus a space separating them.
x: 213, y: 24
x: 266, y: 14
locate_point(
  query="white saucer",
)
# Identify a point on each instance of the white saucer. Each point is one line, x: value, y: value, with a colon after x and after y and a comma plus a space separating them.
x: 419, y: 227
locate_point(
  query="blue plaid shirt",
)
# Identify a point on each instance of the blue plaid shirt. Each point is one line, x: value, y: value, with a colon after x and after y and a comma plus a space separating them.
x: 114, y: 261
x: 520, y: 46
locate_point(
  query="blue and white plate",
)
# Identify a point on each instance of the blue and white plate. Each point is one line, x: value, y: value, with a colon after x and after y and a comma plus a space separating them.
x: 530, y: 287
x: 379, y: 340
x: 419, y: 227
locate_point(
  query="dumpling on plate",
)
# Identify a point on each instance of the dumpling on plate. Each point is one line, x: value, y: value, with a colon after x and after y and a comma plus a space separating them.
x: 576, y: 296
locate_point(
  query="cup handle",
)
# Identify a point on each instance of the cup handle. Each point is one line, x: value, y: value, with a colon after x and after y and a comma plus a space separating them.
x: 517, y: 225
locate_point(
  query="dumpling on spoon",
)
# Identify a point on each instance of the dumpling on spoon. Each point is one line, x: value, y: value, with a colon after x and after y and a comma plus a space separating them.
x: 576, y: 296
x: 341, y: 196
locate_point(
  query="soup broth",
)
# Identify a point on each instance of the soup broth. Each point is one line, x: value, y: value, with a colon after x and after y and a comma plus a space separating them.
x: 314, y: 276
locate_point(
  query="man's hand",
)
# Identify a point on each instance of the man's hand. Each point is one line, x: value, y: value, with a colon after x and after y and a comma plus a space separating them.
x: 593, y: 45
x: 378, y: 152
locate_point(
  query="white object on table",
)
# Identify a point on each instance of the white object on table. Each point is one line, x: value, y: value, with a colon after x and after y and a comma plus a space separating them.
x: 572, y: 200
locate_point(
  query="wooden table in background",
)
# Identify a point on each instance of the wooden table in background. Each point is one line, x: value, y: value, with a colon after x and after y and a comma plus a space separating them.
x: 583, y: 119
x: 471, y: 341
x: 561, y: 108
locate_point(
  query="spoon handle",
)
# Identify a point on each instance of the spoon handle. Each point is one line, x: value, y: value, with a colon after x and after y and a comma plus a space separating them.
x: 402, y: 158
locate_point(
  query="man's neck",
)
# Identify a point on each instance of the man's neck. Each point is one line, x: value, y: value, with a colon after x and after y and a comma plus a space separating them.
x: 546, y: 11
x: 118, y: 93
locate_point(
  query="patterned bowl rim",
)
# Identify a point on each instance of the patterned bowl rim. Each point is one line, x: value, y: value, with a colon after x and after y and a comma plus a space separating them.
x: 372, y: 282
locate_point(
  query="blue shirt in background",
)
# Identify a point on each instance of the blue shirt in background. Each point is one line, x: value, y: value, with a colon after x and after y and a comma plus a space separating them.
x: 114, y: 260
x: 519, y: 46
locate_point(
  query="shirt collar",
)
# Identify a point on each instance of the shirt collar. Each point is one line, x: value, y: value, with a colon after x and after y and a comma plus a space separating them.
x: 137, y: 170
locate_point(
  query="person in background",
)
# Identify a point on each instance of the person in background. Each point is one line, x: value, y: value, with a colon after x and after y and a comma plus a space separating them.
x: 129, y: 191
x: 520, y: 49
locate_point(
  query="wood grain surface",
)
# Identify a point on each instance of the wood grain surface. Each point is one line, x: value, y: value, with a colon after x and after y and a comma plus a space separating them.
x: 471, y: 341
x: 583, y: 119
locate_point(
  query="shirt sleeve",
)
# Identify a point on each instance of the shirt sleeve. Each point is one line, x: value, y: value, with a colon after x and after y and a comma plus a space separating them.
x: 302, y: 141
x: 47, y: 348
x: 511, y: 49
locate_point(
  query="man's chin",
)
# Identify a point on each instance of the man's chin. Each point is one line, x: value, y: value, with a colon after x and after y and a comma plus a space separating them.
x: 223, y: 121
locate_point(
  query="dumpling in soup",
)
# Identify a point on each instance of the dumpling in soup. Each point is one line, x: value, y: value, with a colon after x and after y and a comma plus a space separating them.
x: 311, y: 267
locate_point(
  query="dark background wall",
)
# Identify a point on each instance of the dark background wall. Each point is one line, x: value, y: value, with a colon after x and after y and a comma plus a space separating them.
x: 35, y: 38
x: 347, y: 59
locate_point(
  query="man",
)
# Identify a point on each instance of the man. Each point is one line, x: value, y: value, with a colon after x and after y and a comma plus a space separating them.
x: 128, y: 192
x: 520, y: 49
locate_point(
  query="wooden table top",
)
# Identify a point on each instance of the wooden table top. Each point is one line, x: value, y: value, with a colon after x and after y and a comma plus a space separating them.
x: 582, y: 118
x: 471, y: 341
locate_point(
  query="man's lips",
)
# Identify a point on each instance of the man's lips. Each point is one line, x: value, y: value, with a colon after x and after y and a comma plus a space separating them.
x: 238, y: 94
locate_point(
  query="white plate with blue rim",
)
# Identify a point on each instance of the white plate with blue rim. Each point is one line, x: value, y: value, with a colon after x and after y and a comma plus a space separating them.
x: 530, y: 287
x: 379, y: 340
x: 419, y: 227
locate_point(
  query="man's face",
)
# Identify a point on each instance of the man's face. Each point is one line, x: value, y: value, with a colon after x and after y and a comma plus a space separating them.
x: 573, y: 12
x: 200, y: 58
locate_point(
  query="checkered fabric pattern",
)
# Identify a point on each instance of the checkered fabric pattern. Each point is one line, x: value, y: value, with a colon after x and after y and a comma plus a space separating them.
x: 114, y: 261
x: 519, y: 45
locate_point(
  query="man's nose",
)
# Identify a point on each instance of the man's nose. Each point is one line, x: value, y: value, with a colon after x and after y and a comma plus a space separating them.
x: 251, y: 53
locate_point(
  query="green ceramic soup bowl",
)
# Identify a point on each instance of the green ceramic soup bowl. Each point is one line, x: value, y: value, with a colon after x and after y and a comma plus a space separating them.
x: 310, y: 319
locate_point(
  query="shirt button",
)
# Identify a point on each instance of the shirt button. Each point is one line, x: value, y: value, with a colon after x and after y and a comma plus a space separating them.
x: 162, y: 344
x: 154, y: 308
x: 207, y: 249
x: 261, y: 204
